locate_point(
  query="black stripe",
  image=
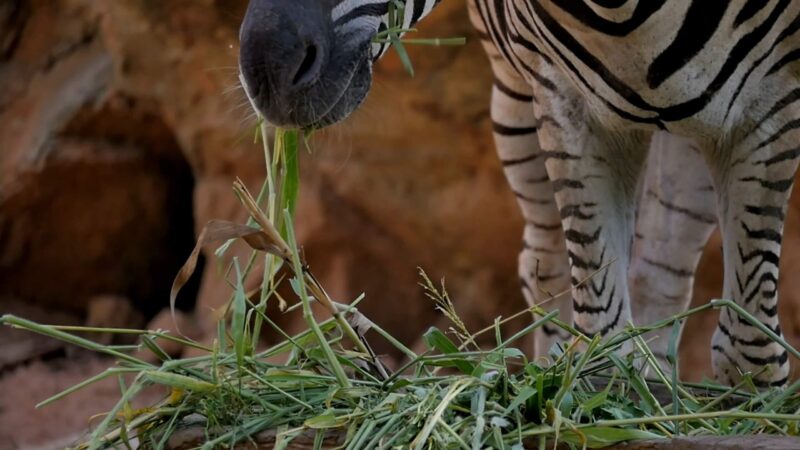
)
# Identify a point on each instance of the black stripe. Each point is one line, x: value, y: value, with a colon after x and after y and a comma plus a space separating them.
x: 535, y: 201
x: 766, y: 277
x: 508, y: 130
x: 758, y: 342
x: 699, y: 24
x: 793, y: 27
x: 787, y: 127
x: 579, y: 263
x: 419, y: 8
x: 787, y: 100
x: 512, y: 93
x: 786, y: 155
x: 598, y: 291
x: 566, y: 183
x: 610, y: 4
x: 670, y: 113
x: 584, y: 13
x: 538, y: 180
x: 788, y: 58
x: 565, y: 38
x: 550, y: 331
x: 554, y: 154
x: 604, y: 331
x: 580, y: 238
x: 779, y: 359
x: 544, y: 226
x: 769, y: 312
x: 777, y: 185
x: 750, y: 9
x: 767, y: 234
x: 575, y: 211
x: 546, y: 277
x: 767, y: 384
x: 582, y: 308
x: 674, y: 271
x: 700, y: 217
x: 492, y: 28
x: 719, y: 349
x: 548, y: 251
x: 523, y: 160
x: 765, y: 211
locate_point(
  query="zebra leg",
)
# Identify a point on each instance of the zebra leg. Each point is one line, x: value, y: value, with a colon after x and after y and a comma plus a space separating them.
x: 543, y: 265
x: 753, y: 191
x: 675, y: 219
x: 594, y: 173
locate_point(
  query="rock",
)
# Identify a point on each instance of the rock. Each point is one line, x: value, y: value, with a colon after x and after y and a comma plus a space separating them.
x: 112, y: 311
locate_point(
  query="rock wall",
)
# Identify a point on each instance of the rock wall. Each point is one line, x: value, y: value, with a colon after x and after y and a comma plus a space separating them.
x: 122, y: 129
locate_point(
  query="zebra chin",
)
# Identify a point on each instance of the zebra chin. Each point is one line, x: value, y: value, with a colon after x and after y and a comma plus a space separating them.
x: 299, y: 67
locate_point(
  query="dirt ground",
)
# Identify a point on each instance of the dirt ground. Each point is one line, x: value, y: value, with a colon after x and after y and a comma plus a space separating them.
x: 23, y: 426
x: 34, y: 368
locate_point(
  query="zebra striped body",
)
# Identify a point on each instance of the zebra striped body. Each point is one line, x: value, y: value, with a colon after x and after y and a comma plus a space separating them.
x: 589, y: 95
x: 591, y: 82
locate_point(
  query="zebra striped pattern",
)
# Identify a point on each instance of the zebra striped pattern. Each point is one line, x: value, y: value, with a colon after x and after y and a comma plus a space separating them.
x: 685, y: 109
x: 366, y: 13
x: 584, y: 89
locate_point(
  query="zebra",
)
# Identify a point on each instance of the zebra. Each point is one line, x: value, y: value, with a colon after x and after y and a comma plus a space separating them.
x: 684, y: 109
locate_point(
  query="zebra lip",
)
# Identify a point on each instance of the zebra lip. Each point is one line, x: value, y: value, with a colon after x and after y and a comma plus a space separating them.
x: 291, y: 111
x: 341, y: 95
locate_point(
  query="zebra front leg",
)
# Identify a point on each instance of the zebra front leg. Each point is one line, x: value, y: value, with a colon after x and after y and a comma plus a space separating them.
x: 753, y: 192
x: 594, y: 174
x: 675, y: 219
x: 543, y: 266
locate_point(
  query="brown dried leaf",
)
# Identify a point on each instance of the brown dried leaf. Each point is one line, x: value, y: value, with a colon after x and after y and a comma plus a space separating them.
x: 217, y: 231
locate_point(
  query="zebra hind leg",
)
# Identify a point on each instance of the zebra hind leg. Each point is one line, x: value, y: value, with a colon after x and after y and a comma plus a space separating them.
x: 675, y: 219
x: 753, y: 191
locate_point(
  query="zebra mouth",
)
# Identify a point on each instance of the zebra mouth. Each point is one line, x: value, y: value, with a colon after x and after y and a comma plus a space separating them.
x: 341, y: 87
x: 350, y: 97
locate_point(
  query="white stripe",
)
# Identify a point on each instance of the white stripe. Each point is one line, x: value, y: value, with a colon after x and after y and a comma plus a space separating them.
x: 408, y: 13
x: 348, y: 5
x: 359, y: 23
x: 428, y: 7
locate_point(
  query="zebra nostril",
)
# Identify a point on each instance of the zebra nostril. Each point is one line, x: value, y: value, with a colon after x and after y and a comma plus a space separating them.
x: 308, y: 70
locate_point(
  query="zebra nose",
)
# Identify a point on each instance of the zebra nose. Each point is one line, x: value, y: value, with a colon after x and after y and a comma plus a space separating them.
x: 310, y: 66
x: 283, y: 45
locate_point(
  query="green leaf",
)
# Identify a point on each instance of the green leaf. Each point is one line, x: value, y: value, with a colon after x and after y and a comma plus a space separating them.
x: 565, y: 405
x: 521, y: 398
x: 151, y: 345
x: 326, y: 420
x: 291, y: 183
x: 638, y: 384
x: 437, y: 340
x: 672, y: 352
x: 178, y: 381
x: 594, y: 402
x: 238, y: 322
